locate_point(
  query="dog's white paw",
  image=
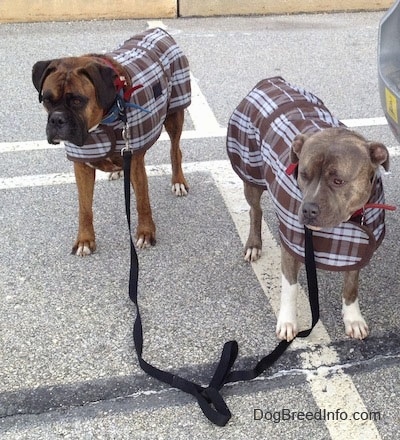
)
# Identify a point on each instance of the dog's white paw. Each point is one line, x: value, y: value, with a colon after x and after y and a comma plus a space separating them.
x: 83, y: 251
x: 252, y: 254
x: 356, y: 329
x: 143, y: 243
x: 286, y: 327
x: 115, y: 175
x: 179, y: 189
x: 354, y: 323
x: 286, y: 330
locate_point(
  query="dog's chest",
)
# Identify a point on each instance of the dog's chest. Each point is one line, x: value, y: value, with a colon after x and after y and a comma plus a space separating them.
x: 110, y: 164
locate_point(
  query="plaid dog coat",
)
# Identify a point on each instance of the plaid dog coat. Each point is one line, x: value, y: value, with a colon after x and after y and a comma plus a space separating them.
x: 260, y: 134
x: 153, y: 60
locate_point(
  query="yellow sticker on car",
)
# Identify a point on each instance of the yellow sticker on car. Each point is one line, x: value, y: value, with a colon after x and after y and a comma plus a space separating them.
x: 391, y: 105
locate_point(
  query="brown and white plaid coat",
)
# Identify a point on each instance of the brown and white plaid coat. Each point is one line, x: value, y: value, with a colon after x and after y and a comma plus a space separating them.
x: 260, y: 134
x: 155, y: 61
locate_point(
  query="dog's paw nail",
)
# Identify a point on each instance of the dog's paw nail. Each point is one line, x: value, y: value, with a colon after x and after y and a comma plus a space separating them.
x: 356, y: 329
x: 252, y: 254
x: 286, y: 331
x: 140, y: 243
x: 115, y: 175
x: 143, y: 243
x: 179, y: 189
x: 83, y: 251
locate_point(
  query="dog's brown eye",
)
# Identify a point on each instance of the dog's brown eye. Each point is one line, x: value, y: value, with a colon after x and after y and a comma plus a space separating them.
x: 46, y: 98
x: 338, y: 182
x: 76, y: 100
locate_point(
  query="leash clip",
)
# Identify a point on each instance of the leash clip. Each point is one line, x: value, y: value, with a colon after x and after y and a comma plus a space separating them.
x: 125, y: 136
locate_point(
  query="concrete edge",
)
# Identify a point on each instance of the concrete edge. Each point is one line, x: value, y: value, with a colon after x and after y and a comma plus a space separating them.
x: 207, y: 8
x: 24, y: 11
x: 14, y: 11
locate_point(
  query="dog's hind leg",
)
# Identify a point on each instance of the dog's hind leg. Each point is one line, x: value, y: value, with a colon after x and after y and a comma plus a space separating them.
x: 173, y: 125
x: 355, y: 325
x: 253, y: 246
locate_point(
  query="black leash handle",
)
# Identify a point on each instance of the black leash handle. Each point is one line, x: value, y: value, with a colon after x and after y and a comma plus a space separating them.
x: 209, y: 398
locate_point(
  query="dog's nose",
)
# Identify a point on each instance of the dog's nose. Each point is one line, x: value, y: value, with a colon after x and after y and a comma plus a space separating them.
x: 310, y: 210
x: 57, y: 119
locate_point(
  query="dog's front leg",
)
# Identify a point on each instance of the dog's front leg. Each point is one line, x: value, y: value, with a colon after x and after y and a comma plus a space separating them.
x: 85, y: 176
x: 355, y: 325
x: 286, y: 327
x: 146, y: 229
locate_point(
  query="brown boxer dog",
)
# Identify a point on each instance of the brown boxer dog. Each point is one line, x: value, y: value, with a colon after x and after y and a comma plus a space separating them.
x: 146, y: 81
x: 281, y: 138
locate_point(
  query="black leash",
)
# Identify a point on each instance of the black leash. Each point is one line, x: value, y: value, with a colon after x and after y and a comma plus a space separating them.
x: 209, y: 398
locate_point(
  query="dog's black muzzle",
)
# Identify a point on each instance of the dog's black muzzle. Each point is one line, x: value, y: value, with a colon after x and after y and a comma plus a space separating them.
x: 65, y: 126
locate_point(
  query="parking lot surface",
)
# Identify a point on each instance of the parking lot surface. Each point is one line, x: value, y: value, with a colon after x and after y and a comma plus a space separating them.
x: 68, y: 368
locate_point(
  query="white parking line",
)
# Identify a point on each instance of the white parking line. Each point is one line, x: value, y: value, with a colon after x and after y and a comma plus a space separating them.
x: 20, y: 146
x: 206, y: 126
x: 366, y: 122
x: 156, y: 24
x: 202, y: 116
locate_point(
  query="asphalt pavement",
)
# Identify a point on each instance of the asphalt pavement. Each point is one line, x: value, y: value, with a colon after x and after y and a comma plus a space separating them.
x: 68, y: 369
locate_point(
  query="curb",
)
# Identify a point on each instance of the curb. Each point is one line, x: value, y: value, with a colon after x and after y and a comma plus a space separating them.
x: 207, y: 8
x: 14, y: 11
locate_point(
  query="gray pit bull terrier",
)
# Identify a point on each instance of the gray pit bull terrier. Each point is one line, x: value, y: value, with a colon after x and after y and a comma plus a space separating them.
x: 318, y: 173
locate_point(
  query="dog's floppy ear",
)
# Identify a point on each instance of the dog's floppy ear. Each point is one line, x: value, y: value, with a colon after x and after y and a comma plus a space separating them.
x: 296, y: 147
x: 102, y: 78
x: 379, y: 154
x: 40, y: 71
